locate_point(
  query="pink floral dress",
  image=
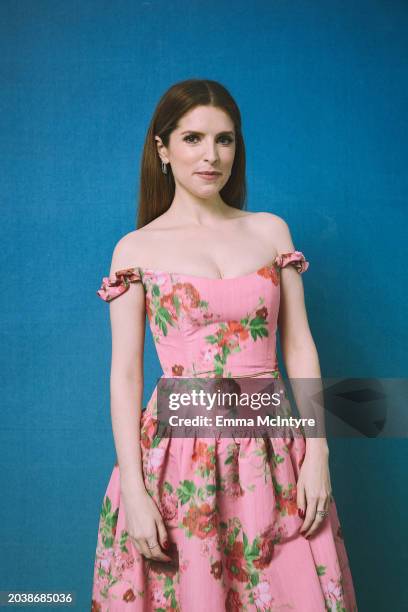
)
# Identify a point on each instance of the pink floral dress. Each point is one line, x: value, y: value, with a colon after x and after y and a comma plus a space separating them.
x: 229, y: 505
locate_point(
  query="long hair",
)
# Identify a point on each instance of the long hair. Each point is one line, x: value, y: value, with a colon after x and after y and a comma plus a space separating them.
x: 157, y: 189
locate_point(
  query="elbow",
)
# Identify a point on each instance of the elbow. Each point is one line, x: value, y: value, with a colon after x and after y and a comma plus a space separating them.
x: 298, y: 344
x: 123, y: 377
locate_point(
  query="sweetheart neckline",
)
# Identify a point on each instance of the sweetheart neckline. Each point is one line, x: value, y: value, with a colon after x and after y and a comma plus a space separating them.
x: 207, y: 278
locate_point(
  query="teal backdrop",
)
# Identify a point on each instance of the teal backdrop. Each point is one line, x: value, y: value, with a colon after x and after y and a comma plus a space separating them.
x: 322, y: 87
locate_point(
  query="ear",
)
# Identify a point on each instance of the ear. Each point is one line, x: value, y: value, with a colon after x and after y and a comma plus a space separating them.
x: 161, y: 149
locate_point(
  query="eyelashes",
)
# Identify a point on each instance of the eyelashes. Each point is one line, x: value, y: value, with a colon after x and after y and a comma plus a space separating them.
x: 188, y: 138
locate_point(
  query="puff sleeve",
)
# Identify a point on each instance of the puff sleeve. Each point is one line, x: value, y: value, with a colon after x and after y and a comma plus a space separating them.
x: 295, y: 258
x: 111, y: 289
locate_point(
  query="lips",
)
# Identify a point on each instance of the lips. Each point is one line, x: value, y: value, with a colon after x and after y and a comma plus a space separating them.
x: 209, y: 173
x: 208, y: 177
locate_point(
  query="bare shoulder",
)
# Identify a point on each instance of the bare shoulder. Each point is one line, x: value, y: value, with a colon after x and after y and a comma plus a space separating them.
x: 274, y: 230
x: 130, y: 249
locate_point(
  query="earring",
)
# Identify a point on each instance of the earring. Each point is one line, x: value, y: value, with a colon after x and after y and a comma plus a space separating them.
x: 164, y: 167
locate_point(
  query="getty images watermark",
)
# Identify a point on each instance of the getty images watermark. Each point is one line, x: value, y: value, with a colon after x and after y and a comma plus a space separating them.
x: 277, y: 407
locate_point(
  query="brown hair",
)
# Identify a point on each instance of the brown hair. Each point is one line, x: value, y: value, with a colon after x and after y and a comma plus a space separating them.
x: 157, y: 189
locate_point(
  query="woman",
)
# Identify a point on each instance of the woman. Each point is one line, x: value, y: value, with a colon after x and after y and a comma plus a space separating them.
x: 200, y: 524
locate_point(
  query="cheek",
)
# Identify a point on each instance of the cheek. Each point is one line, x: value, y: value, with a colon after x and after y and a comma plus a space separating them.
x: 227, y: 156
x: 186, y: 158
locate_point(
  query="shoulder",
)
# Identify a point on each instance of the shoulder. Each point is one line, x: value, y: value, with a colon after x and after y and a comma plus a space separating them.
x: 128, y: 249
x: 272, y: 221
x: 136, y: 248
x: 275, y: 230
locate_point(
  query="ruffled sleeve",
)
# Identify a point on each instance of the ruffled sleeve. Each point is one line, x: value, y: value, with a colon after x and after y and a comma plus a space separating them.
x: 111, y: 289
x: 295, y: 258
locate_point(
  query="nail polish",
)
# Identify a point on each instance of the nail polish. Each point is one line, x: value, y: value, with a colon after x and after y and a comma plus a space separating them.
x: 166, y: 544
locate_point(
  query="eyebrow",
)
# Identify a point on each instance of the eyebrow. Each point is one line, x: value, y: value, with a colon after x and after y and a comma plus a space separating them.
x: 201, y: 133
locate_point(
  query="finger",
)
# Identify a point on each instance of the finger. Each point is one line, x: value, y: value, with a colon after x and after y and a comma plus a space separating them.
x: 161, y: 528
x: 310, y: 515
x: 136, y: 544
x: 144, y: 548
x: 314, y: 526
x: 155, y: 550
x: 158, y: 554
x: 319, y: 519
x: 301, y: 499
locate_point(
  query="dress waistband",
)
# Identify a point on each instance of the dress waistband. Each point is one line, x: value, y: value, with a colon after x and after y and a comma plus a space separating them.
x: 253, y: 374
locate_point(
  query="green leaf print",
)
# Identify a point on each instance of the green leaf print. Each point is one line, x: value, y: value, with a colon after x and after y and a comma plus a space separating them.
x: 245, y: 542
x: 211, y: 339
x: 233, y: 536
x: 122, y: 542
x: 219, y: 369
x: 321, y: 570
x: 278, y: 488
x: 258, y: 328
x: 163, y: 317
x: 108, y: 505
x: 254, y: 553
x: 177, y: 304
x: 168, y: 487
x: 201, y: 493
x: 250, y: 552
x: 278, y: 459
x: 156, y: 441
x: 186, y: 491
x: 109, y: 521
x: 168, y: 583
x: 218, y: 360
x: 254, y: 579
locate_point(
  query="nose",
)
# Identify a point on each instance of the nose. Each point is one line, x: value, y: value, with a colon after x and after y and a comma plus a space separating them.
x: 211, y: 152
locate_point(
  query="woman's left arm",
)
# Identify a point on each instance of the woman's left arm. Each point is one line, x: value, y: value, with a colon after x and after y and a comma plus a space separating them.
x: 302, y: 365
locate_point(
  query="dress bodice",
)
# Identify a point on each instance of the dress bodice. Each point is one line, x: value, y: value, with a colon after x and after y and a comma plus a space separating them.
x: 207, y: 326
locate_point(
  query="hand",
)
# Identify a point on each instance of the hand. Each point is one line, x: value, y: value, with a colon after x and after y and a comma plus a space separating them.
x: 314, y: 489
x: 144, y: 523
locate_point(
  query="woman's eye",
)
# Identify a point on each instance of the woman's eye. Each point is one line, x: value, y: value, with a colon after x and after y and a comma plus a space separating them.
x: 187, y: 138
x: 225, y: 139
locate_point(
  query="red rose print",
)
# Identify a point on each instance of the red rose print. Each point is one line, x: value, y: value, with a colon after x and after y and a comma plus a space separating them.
x: 265, y: 555
x: 235, y: 563
x: 216, y: 569
x: 233, y: 602
x: 129, y: 595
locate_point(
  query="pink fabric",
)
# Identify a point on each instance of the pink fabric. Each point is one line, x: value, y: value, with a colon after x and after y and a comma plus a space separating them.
x: 229, y: 504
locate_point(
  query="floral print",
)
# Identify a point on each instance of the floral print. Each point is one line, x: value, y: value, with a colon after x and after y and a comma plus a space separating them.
x: 229, y: 504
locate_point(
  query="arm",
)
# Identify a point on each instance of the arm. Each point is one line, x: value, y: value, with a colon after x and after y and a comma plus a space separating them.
x: 127, y: 314
x: 298, y: 347
x: 301, y: 361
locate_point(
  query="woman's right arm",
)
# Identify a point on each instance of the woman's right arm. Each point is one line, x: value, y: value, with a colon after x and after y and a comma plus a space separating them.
x: 127, y: 316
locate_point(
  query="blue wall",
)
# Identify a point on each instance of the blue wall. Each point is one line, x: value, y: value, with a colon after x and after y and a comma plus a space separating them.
x: 322, y: 87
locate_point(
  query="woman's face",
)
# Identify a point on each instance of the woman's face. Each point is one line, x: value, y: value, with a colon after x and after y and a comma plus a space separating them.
x: 204, y: 141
